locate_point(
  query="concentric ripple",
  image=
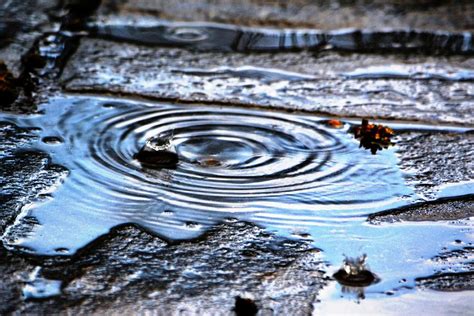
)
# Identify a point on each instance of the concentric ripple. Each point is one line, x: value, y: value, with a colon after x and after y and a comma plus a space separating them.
x: 276, y: 169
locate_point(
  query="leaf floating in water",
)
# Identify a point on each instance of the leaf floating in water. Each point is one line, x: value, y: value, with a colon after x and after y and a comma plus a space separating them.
x: 373, y: 137
x: 334, y: 123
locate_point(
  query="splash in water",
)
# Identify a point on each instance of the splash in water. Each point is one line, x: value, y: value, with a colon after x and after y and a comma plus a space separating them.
x: 288, y: 173
x: 158, y: 152
x: 271, y: 168
x: 355, y: 272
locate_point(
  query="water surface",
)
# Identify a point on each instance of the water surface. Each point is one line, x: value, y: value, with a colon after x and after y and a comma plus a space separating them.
x: 290, y: 173
x: 227, y: 37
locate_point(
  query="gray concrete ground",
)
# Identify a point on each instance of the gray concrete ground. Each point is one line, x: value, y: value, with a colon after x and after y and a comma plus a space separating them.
x: 170, y: 76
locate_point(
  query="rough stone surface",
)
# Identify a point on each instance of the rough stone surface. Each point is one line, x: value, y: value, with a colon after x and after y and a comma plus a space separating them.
x: 177, y: 74
x: 21, y: 22
x: 434, y: 159
x: 449, y: 282
x: 197, y: 277
x: 24, y: 174
x: 429, y: 211
x: 12, y: 268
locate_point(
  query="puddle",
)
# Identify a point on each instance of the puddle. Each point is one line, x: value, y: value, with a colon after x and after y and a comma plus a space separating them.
x: 410, y: 72
x: 273, y: 168
x: 227, y: 37
x: 265, y: 75
x: 247, y: 72
x: 424, y: 301
x: 292, y: 174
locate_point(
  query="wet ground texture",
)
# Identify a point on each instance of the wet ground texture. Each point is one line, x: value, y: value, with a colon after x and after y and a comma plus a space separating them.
x: 271, y: 190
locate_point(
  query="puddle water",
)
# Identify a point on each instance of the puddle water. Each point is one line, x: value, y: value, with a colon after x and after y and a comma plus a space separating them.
x: 410, y: 72
x: 431, y: 303
x: 226, y: 37
x: 292, y: 174
x: 247, y: 72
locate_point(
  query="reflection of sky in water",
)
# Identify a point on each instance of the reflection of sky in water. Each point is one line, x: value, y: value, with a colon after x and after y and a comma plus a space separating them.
x: 288, y: 173
x: 419, y: 302
x: 227, y: 37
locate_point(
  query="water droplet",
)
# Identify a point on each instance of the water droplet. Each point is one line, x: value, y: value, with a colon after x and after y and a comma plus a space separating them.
x: 158, y: 152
